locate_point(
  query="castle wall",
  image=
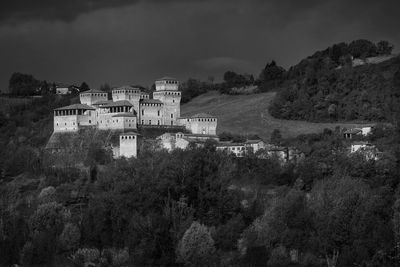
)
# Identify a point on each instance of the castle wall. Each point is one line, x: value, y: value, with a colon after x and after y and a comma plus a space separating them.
x: 171, y: 85
x: 128, y: 145
x: 90, y: 98
x: 106, y: 121
x: 151, y: 114
x: 131, y: 95
x: 200, y: 125
x: 66, y: 123
x: 172, y: 107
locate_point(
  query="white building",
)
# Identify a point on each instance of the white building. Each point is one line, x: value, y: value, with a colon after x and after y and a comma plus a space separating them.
x: 127, y: 145
x: 171, y: 141
x: 201, y: 123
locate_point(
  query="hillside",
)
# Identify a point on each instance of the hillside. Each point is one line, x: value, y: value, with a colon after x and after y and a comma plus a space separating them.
x: 248, y: 114
x: 323, y: 92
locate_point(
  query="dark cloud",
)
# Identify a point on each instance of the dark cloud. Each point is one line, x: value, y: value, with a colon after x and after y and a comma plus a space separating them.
x: 20, y: 10
x: 122, y: 42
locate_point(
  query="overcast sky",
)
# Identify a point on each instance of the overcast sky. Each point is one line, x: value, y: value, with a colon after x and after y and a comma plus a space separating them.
x: 134, y: 42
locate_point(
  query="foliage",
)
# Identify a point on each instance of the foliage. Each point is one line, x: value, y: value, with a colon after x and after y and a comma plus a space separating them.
x: 197, y: 246
x: 70, y: 236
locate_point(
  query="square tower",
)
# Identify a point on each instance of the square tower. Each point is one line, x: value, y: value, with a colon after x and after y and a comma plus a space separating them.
x: 167, y: 92
x: 128, y: 145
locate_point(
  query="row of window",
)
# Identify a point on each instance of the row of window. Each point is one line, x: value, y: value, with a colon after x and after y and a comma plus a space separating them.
x: 128, y: 137
x: 168, y: 93
x: 200, y: 119
x: 125, y: 91
x: 158, y: 113
x: 93, y: 94
x: 171, y: 82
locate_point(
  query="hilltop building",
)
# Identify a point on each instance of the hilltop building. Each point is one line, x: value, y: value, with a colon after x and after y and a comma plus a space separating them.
x: 131, y: 108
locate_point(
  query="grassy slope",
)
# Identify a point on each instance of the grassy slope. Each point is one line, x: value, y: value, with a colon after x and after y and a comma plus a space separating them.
x: 248, y: 114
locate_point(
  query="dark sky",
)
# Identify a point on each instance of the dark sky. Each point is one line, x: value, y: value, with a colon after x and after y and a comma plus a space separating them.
x: 134, y: 42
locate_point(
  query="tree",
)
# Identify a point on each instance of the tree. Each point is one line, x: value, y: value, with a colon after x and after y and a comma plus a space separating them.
x: 23, y: 84
x: 384, y: 48
x: 337, y: 204
x: 70, y: 236
x: 362, y: 49
x: 276, y: 137
x: 84, y: 87
x: 271, y: 76
x: 105, y: 88
x: 196, y: 247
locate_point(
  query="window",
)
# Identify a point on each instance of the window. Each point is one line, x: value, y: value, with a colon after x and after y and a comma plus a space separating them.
x: 142, y: 121
x: 90, y: 121
x: 142, y: 111
x: 150, y: 122
x: 172, y: 116
x: 158, y: 122
x: 158, y: 113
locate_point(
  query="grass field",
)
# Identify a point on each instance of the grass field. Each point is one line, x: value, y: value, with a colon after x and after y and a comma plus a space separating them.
x: 248, y: 114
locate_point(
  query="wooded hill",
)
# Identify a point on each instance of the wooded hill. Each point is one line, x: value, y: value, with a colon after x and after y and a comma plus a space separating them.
x: 331, y: 86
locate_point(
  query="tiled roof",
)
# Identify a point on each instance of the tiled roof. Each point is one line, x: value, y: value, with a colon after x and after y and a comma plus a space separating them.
x: 76, y: 106
x: 124, y: 115
x: 126, y: 87
x: 93, y: 91
x: 254, y: 141
x: 229, y: 144
x: 166, y: 78
x: 118, y: 104
x: 130, y: 133
x: 353, y: 131
x: 102, y: 102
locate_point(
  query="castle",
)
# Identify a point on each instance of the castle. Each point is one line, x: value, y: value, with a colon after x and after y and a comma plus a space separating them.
x: 129, y: 109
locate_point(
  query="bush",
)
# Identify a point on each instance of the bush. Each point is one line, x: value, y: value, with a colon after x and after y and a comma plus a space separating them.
x: 70, y: 236
x: 196, y: 247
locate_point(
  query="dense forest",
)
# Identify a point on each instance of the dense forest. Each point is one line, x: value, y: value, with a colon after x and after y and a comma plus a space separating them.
x: 197, y: 207
x: 327, y: 87
x: 202, y: 207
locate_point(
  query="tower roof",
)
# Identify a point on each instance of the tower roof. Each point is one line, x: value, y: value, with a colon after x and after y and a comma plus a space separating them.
x: 76, y: 106
x: 151, y: 101
x: 166, y: 78
x: 93, y: 91
x: 129, y: 133
x: 126, y: 87
x: 118, y: 104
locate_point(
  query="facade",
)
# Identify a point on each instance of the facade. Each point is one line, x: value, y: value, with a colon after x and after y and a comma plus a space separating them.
x: 130, y: 107
x: 127, y: 145
x: 201, y: 123
x: 362, y: 131
x: 369, y: 151
x: 170, y: 141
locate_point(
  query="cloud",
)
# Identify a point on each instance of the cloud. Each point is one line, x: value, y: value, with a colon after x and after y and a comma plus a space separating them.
x: 223, y: 63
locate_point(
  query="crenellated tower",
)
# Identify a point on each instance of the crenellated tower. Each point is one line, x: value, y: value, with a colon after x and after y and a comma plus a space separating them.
x: 167, y: 91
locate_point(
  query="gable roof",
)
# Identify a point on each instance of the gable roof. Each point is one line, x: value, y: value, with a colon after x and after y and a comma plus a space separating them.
x: 166, y: 78
x: 253, y: 141
x: 76, y: 106
x: 120, y: 103
x: 93, y: 91
x: 126, y: 114
x: 102, y: 102
x: 126, y: 87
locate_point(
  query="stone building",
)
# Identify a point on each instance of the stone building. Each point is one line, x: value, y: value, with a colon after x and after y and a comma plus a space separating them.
x: 131, y: 107
x: 201, y: 123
